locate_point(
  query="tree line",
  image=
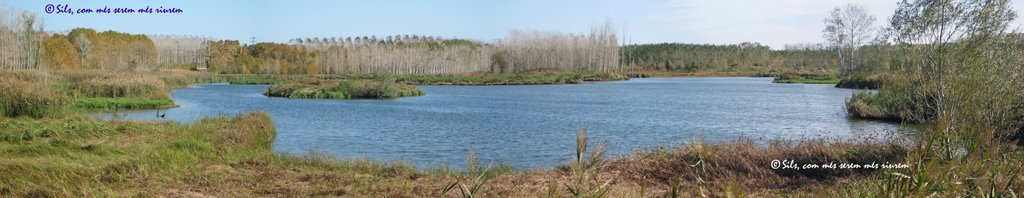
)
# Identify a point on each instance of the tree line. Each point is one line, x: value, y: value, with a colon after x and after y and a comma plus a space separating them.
x: 26, y: 46
x: 415, y: 54
x: 747, y: 56
x: 20, y: 39
x: 181, y: 51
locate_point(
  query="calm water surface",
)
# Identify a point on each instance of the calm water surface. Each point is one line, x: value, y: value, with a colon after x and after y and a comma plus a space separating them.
x: 534, y: 126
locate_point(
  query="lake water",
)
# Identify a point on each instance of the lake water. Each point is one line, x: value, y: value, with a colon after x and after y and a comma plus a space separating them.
x: 534, y: 126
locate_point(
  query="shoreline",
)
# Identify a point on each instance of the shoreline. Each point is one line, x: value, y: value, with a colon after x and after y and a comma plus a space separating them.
x: 232, y: 153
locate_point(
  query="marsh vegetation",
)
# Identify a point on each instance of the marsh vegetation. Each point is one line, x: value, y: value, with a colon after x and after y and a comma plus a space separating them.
x: 378, y: 87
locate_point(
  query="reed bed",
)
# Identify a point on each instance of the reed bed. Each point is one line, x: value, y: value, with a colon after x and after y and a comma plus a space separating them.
x: 180, y: 78
x: 124, y: 86
x: 35, y: 76
x: 26, y: 98
x: 105, y: 89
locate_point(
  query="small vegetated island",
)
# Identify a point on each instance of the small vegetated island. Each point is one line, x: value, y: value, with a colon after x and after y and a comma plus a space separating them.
x: 343, y: 89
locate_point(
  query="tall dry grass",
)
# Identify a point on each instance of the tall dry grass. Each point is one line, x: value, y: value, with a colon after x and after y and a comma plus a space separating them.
x: 127, y: 85
x: 180, y: 78
x: 27, y: 98
x: 35, y: 76
x: 715, y: 169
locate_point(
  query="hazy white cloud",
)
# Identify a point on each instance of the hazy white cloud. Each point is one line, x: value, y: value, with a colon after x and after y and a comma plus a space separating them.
x: 770, y: 22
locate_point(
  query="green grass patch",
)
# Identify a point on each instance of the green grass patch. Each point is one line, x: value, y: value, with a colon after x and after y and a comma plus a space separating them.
x: 122, y: 103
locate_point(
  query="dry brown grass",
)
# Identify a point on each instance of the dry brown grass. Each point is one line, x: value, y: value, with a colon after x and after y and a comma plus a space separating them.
x: 28, y: 98
x: 35, y: 76
x: 130, y: 86
x: 717, y: 170
x: 714, y: 168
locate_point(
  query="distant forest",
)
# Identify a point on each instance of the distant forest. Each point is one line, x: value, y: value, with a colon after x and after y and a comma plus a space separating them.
x: 25, y: 45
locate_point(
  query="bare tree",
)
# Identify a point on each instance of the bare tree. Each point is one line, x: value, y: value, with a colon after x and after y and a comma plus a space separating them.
x: 20, y: 41
x: 178, y: 51
x: 846, y: 30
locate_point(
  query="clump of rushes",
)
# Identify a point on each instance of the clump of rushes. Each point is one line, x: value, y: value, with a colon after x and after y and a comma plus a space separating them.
x: 335, y: 89
x: 23, y: 98
x: 585, y: 169
x: 472, y: 182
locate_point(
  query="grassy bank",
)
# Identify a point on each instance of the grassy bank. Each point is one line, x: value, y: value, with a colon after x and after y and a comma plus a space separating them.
x: 76, y: 156
x: 748, y: 73
x: 224, y: 156
x: 347, y: 89
x: 669, y: 74
x: 529, y: 78
x: 804, y: 78
x: 526, y: 78
x: 827, y: 80
x: 99, y: 90
x: 122, y: 103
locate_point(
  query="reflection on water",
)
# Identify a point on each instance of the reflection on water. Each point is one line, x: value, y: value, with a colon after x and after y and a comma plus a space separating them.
x: 528, y: 126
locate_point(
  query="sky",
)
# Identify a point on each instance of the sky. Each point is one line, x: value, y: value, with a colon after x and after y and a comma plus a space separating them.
x: 770, y: 22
